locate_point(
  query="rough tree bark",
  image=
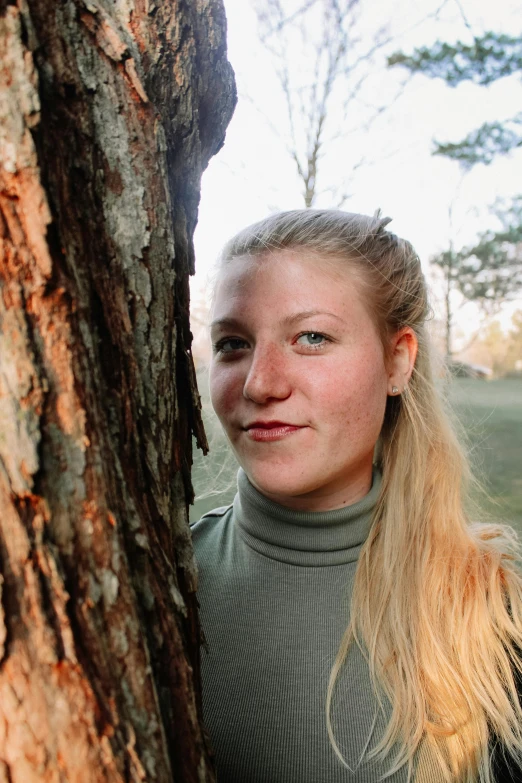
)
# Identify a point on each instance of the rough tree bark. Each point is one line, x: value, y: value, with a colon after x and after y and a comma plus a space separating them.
x: 110, y: 111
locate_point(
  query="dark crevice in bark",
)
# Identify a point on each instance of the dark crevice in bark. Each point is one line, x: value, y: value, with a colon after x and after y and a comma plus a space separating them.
x: 100, y: 683
x: 48, y: 606
x: 108, y: 359
x: 10, y: 602
x: 4, y: 5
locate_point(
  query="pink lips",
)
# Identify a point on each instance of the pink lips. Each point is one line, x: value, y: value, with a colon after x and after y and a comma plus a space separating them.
x: 270, y: 430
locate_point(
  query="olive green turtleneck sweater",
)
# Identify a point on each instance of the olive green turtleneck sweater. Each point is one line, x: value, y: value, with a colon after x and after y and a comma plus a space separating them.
x: 274, y: 589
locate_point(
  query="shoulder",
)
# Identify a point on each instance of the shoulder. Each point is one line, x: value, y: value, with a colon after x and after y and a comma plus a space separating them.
x: 211, y: 526
x: 212, y: 540
x: 211, y: 518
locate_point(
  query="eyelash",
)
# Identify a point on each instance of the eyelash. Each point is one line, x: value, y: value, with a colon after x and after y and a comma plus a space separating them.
x: 219, y: 345
x: 326, y: 339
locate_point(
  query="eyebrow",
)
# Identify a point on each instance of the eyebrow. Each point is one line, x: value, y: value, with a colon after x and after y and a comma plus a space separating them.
x: 289, y: 320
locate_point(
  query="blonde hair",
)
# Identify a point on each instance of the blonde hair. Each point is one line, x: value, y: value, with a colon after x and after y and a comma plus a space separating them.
x: 437, y: 601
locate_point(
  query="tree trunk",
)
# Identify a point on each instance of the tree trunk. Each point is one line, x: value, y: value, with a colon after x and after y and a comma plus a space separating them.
x: 110, y: 111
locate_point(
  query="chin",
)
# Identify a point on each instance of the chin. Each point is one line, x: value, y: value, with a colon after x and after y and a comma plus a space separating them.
x: 275, y: 482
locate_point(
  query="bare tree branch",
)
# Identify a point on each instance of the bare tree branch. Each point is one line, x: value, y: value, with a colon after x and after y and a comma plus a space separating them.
x: 322, y: 60
x: 464, y: 17
x: 322, y: 63
x: 283, y: 21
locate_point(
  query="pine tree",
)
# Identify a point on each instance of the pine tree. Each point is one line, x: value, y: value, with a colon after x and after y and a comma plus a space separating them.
x: 489, y: 271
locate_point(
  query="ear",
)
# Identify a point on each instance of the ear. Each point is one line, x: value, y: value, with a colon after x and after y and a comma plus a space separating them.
x: 403, y: 352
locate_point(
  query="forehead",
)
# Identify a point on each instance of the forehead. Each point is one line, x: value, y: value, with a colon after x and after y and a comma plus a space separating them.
x: 286, y: 276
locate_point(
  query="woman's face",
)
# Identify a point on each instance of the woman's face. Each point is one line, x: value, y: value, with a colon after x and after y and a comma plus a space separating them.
x: 299, y: 378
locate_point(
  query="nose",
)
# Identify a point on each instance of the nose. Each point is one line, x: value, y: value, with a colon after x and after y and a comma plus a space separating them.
x: 267, y: 377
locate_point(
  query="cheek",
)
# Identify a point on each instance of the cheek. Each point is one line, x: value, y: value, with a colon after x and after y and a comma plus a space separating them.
x: 371, y: 395
x: 358, y: 392
x: 224, y: 387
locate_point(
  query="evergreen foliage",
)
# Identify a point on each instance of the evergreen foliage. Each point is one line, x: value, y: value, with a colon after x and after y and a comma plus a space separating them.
x: 490, y: 271
x: 490, y: 57
x: 485, y: 143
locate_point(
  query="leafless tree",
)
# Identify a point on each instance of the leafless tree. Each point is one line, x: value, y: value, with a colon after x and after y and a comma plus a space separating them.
x: 323, y: 59
x: 330, y: 63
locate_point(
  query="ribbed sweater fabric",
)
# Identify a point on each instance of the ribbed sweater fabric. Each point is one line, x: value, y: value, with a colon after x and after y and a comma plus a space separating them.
x: 274, y: 590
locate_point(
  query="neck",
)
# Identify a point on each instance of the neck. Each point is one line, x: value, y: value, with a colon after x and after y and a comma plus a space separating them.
x: 338, y: 494
x: 303, y: 537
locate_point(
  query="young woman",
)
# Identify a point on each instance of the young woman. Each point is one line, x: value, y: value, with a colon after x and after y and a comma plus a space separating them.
x: 357, y: 625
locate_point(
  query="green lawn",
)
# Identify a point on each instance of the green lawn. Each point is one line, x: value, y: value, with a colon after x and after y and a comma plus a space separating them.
x: 491, y: 412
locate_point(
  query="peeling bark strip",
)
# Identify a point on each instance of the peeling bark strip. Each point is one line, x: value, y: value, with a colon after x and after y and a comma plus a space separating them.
x: 109, y: 112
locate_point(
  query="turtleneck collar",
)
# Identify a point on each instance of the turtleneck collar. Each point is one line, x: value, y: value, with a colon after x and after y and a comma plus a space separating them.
x: 303, y: 538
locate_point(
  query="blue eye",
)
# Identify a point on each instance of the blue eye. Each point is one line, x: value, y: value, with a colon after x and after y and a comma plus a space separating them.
x: 311, y: 338
x: 229, y: 345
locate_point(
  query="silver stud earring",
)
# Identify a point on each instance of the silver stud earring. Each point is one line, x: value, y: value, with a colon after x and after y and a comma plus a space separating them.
x: 395, y: 390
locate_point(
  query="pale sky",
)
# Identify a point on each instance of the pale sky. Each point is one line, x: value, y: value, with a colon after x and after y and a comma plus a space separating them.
x: 253, y: 175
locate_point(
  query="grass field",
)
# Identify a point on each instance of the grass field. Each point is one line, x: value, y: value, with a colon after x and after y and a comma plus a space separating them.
x: 491, y: 412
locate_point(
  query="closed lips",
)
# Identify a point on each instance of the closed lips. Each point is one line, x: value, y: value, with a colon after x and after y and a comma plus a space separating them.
x: 268, y: 425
